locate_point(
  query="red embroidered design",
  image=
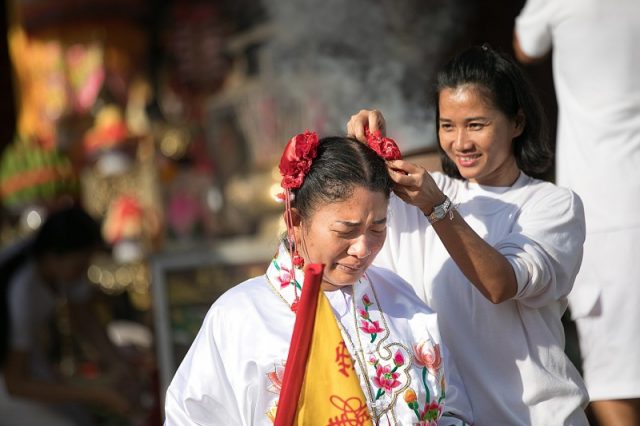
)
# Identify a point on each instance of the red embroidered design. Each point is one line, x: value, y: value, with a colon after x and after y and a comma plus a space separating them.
x: 353, y: 412
x: 343, y: 359
x: 275, y: 378
x: 367, y: 325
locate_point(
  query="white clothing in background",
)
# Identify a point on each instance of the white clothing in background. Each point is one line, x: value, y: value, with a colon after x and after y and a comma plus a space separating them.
x: 231, y: 374
x: 511, y: 355
x: 596, y: 63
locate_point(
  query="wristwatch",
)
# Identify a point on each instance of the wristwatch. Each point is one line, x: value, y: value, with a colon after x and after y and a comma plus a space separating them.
x: 440, y: 211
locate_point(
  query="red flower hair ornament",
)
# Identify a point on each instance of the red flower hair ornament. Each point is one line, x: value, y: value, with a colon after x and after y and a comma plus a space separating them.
x: 297, y: 158
x: 383, y: 146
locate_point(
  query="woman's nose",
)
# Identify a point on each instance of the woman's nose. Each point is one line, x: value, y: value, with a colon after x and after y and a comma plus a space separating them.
x: 360, y: 248
x: 461, y: 142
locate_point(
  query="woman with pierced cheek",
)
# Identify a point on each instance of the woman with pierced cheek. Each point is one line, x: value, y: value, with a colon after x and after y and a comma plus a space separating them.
x: 378, y: 337
x: 490, y: 247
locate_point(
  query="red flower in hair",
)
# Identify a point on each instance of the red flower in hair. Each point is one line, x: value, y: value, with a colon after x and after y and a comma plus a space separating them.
x: 296, y: 159
x: 384, y: 147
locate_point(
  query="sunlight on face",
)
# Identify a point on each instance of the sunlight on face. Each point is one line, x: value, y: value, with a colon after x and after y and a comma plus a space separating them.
x: 477, y: 136
x: 345, y: 236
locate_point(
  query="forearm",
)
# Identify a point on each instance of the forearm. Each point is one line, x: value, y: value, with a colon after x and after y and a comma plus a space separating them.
x: 487, y: 269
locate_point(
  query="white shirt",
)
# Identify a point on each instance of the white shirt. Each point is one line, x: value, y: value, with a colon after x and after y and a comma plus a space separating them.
x: 510, y: 356
x: 227, y: 377
x: 596, y: 59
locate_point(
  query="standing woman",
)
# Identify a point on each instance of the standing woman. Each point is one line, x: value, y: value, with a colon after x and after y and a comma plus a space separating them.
x: 491, y: 248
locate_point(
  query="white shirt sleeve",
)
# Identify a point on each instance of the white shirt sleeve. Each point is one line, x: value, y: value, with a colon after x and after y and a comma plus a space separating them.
x: 545, y: 248
x: 200, y: 392
x: 533, y: 27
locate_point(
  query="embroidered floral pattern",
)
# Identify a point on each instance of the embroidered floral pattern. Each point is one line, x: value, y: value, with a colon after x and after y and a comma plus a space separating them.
x: 275, y: 378
x: 285, y: 275
x: 386, y: 378
x: 427, y: 355
x: 275, y: 385
x: 368, y: 325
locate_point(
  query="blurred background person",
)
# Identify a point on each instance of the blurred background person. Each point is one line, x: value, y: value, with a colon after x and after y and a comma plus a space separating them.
x: 46, y: 300
x: 595, y: 65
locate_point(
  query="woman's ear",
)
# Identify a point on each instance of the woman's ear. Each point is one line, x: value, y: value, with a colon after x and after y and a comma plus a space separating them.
x: 296, y: 218
x: 520, y: 121
x: 296, y: 221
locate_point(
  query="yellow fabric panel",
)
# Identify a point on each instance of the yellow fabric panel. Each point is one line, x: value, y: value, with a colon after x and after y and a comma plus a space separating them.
x: 331, y: 393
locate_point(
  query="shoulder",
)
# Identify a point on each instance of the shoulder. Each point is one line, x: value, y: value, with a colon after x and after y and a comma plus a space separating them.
x: 541, y: 196
x: 241, y: 297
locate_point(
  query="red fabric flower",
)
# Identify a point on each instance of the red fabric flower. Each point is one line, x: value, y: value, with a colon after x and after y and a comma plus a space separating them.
x: 384, y: 147
x: 297, y: 158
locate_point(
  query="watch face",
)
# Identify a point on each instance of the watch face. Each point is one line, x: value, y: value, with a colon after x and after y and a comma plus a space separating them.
x: 440, y: 211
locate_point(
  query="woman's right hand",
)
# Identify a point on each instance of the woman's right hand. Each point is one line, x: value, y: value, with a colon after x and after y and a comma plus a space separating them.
x: 365, y: 118
x: 414, y: 185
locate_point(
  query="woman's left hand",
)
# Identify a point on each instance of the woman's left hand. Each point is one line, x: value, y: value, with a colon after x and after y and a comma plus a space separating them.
x: 414, y: 185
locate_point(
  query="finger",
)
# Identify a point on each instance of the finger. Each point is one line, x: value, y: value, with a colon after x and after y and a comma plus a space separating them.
x: 376, y: 121
x: 349, y: 130
x: 358, y: 129
x: 403, y: 179
x: 404, y: 166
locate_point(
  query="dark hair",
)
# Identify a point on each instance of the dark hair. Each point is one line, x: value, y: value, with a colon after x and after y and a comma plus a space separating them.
x: 505, y: 85
x: 341, y: 165
x: 66, y: 231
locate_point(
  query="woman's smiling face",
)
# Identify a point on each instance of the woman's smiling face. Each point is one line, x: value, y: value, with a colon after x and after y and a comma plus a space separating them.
x: 477, y: 136
x: 345, y: 236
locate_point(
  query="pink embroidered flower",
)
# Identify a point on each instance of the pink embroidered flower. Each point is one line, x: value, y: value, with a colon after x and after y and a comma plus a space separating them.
x: 385, y: 378
x: 366, y: 301
x: 275, y: 378
x: 297, y: 158
x: 428, y: 355
x: 285, y: 277
x: 398, y: 359
x: 371, y: 327
x: 363, y: 313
